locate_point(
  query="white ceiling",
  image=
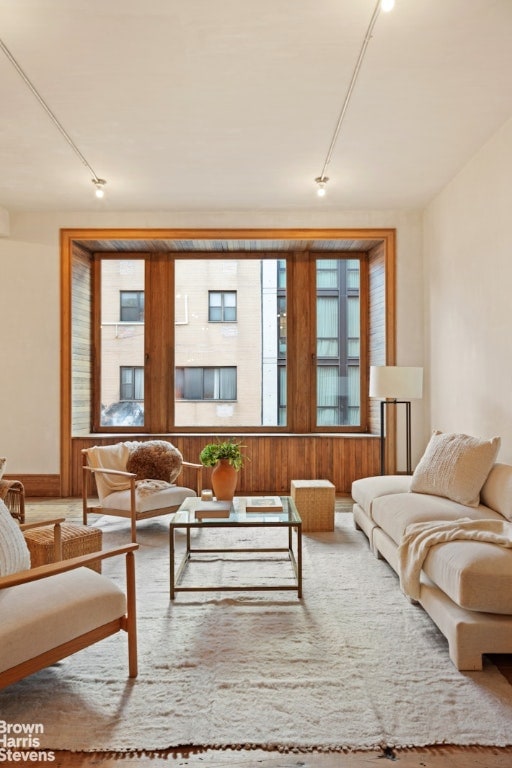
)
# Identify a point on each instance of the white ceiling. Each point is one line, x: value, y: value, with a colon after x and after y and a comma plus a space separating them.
x: 232, y: 104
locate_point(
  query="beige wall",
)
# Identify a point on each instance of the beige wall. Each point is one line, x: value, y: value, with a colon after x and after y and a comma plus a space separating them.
x: 468, y: 290
x: 29, y: 310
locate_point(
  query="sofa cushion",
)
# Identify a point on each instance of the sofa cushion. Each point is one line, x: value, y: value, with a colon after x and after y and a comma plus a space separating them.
x: 393, y: 513
x: 474, y: 574
x: 365, y: 490
x: 455, y: 466
x: 14, y: 553
x: 497, y: 490
x: 155, y: 460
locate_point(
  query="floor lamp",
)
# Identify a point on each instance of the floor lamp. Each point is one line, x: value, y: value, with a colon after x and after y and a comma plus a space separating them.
x: 395, y: 385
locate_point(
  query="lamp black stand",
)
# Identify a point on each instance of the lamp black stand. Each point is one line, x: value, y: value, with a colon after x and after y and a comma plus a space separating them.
x: 407, y: 404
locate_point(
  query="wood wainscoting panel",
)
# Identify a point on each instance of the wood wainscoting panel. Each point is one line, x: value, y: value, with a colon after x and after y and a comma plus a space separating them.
x: 273, y: 460
x: 46, y: 486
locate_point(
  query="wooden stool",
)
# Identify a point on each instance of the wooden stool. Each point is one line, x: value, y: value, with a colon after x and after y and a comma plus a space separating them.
x: 76, y: 540
x: 315, y: 501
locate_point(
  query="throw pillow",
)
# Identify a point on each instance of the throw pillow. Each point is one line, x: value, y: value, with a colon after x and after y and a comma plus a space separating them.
x: 14, y: 554
x: 455, y: 466
x: 155, y: 460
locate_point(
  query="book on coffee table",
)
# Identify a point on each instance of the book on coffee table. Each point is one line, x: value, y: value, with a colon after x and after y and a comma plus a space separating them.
x: 212, y: 509
x: 264, y: 504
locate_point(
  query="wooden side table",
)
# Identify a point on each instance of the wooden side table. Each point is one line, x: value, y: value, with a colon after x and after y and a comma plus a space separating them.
x: 12, y: 493
x: 315, y: 500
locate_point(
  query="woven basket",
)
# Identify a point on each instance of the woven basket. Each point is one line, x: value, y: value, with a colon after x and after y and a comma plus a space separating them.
x: 76, y: 540
x: 315, y: 500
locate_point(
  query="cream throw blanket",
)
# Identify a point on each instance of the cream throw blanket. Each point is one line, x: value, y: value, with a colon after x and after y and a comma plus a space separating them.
x: 420, y: 537
x: 110, y: 457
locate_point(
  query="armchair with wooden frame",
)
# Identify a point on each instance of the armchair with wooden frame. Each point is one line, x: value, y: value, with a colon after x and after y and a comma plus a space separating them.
x: 52, y: 611
x: 124, y: 493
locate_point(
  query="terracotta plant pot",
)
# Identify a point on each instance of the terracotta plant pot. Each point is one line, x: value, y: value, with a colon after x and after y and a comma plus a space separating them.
x: 224, y: 480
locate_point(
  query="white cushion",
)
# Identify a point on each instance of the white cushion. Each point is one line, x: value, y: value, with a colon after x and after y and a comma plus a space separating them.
x: 169, y: 497
x: 455, y: 466
x: 40, y: 615
x: 497, y: 490
x: 14, y: 553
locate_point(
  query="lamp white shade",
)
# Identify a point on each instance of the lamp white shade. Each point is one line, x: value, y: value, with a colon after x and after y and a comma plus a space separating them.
x: 397, y: 382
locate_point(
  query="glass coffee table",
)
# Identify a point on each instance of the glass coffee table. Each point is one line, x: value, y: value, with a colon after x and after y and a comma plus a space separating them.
x: 186, y: 518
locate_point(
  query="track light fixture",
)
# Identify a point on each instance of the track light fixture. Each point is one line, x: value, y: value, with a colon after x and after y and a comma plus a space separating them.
x: 321, y: 181
x: 382, y: 5
x: 99, y: 183
x: 100, y: 187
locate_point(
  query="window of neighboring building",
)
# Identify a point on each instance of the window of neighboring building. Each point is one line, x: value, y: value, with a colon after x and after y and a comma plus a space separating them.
x: 131, y: 306
x: 222, y: 306
x: 131, y: 382
x: 206, y: 383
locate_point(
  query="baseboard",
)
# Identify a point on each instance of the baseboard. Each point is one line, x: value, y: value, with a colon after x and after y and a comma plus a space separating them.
x: 38, y: 485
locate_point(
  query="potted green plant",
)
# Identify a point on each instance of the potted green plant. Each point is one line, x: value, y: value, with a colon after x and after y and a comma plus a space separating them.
x: 230, y: 450
x: 226, y: 458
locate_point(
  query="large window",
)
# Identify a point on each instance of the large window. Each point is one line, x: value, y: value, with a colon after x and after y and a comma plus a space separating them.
x: 188, y: 342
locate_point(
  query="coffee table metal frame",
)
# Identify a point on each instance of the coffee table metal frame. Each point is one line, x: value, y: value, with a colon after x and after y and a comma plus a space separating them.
x: 185, y: 519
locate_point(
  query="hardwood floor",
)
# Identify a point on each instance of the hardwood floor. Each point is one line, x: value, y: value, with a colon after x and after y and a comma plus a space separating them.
x: 434, y: 757
x: 427, y: 757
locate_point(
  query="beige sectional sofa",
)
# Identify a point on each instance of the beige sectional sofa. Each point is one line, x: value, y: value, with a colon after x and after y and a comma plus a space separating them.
x: 465, y: 576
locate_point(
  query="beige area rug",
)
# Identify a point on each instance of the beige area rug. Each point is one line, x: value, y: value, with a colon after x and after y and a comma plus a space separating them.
x: 352, y: 666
